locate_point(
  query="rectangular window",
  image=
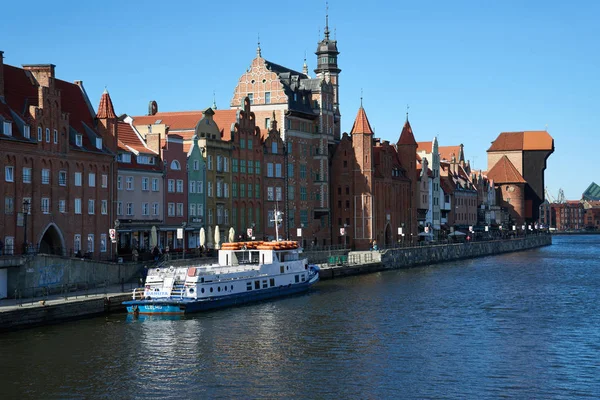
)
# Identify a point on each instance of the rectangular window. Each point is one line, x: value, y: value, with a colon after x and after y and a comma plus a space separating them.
x: 242, y: 190
x: 289, y: 147
x: 171, y: 209
x: 145, y: 183
x: 257, y: 190
x: 225, y: 190
x: 129, y: 208
x: 210, y: 189
x: 192, y: 210
x: 104, y: 207
x: 278, y: 194
x: 9, y: 205
x: 219, y: 188
x: 179, y: 185
x: 77, y: 206
x: 171, y: 185
x: 78, y: 179
x: 55, y: 136
x: 210, y: 162
x: 271, y: 218
x: 242, y: 143
x: 91, y: 206
x: 290, y: 193
x: 104, y: 180
x: 219, y: 163
x: 78, y: 140
x: 250, y: 167
x: 45, y: 177
x: 243, y: 166
x: 274, y: 147
x: 225, y: 164
x: 270, y: 170
x: 234, y: 191
x: 62, y: 178
x: 119, y: 182
x: 250, y: 190
x: 155, y: 184
x: 200, y: 187
x: 226, y: 215
x: 119, y: 208
x: 290, y: 171
x: 196, y: 165
x: 210, y: 216
x: 278, y: 170
x: 291, y: 220
x: 304, y: 217
x: 251, y: 98
x: 303, y: 195
x: 145, y: 209
x: 154, y: 208
x: 302, y: 171
x: 234, y: 165
x: 257, y: 167
x: 90, y: 243
x: 47, y: 135
x: 77, y: 242
x: 92, y: 180
x: 129, y: 182
x: 62, y: 206
x: 267, y: 99
x: 200, y: 210
x: 192, y: 188
x: 103, y: 243
x: 250, y: 144
x: 26, y: 175
x: 270, y: 193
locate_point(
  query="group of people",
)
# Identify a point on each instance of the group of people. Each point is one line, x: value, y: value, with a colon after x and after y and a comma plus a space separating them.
x: 157, y: 252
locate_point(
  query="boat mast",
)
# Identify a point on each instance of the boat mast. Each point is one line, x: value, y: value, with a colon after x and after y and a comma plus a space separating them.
x: 277, y: 219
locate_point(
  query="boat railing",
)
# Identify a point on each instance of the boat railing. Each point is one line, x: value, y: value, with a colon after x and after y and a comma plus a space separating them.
x: 138, y: 291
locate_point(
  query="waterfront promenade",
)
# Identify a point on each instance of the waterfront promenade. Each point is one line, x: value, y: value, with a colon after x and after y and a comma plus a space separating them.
x: 69, y: 305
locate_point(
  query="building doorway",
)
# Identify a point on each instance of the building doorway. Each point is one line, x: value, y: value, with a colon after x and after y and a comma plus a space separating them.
x: 387, y: 239
x: 52, y: 241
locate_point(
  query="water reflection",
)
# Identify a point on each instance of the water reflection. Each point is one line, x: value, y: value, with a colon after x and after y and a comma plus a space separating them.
x: 521, y: 325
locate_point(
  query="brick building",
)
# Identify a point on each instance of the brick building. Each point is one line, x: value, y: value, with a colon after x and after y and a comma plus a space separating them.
x: 518, y: 160
x: 310, y: 123
x: 373, y: 194
x: 57, y: 159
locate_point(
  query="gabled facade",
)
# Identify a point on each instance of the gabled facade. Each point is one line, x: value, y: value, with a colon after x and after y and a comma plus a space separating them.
x: 57, y: 163
x: 437, y: 198
x: 275, y: 188
x: 196, y: 201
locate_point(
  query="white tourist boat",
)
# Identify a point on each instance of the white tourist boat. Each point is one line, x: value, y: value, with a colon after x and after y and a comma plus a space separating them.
x: 246, y: 272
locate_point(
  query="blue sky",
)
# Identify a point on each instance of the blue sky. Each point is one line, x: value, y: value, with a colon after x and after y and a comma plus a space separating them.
x: 468, y: 69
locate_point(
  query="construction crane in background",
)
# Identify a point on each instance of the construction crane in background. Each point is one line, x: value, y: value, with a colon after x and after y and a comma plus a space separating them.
x: 559, y: 200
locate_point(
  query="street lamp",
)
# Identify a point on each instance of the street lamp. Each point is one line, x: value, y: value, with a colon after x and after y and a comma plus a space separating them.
x: 183, y: 225
x: 25, y: 213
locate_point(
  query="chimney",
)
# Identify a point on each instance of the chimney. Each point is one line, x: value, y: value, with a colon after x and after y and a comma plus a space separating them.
x: 43, y: 73
x: 1, y: 74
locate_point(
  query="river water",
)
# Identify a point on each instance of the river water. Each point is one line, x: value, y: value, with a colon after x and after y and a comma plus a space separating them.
x: 520, y: 325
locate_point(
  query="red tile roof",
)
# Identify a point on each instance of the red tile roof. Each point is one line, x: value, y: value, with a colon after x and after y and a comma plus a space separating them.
x: 361, y: 123
x: 425, y: 146
x: 407, y: 137
x: 505, y: 172
x: 20, y: 90
x: 176, y: 121
x: 129, y: 140
x: 224, y: 119
x: 526, y: 140
x: 447, y: 184
x: 106, y: 109
x: 446, y: 152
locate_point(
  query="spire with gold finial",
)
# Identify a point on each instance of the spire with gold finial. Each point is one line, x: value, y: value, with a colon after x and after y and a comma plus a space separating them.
x: 106, y: 109
x: 214, y: 105
x: 305, y: 66
x: 326, y: 31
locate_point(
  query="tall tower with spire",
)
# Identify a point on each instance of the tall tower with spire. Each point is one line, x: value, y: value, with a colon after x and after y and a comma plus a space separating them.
x: 328, y: 70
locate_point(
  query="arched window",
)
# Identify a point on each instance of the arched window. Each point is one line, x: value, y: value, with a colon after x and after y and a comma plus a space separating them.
x: 175, y: 165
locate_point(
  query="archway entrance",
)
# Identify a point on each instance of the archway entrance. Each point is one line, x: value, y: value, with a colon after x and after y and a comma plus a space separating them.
x: 388, y: 235
x: 52, y: 241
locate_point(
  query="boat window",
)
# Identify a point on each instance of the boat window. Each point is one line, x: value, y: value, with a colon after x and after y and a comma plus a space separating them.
x: 226, y: 259
x: 303, y: 278
x: 297, y: 277
x: 287, y: 268
x: 263, y: 259
x: 281, y: 268
x: 211, y: 289
x: 231, y: 287
x: 202, y: 290
x: 305, y: 266
x: 225, y: 287
x: 265, y: 284
x: 272, y: 282
x: 201, y: 280
x: 256, y: 284
x: 249, y: 286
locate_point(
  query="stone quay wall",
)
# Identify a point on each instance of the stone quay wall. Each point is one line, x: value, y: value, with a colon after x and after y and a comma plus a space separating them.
x: 372, y: 261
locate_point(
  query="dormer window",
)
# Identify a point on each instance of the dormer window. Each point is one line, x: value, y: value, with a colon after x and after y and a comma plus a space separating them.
x: 27, y: 132
x: 8, y: 128
x: 78, y: 140
x: 124, y: 157
x: 99, y: 143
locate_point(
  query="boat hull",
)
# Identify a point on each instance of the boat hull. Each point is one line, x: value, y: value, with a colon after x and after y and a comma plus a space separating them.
x: 172, y: 306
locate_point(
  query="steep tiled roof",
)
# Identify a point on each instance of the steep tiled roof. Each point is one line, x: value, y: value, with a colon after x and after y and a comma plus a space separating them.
x: 20, y: 89
x: 106, y: 109
x: 446, y: 152
x: 447, y: 184
x: 129, y: 140
x: 180, y: 120
x: 407, y: 137
x: 505, y: 172
x: 424, y: 146
x: 361, y: 123
x: 526, y: 140
x: 224, y: 119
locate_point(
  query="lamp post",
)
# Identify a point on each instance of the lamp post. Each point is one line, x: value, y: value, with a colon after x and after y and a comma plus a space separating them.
x: 25, y: 213
x: 183, y: 225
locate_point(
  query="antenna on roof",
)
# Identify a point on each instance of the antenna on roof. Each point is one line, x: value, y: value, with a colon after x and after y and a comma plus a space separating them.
x: 214, y: 105
x: 326, y: 31
x: 407, y: 107
x: 258, y: 52
x: 361, y: 97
